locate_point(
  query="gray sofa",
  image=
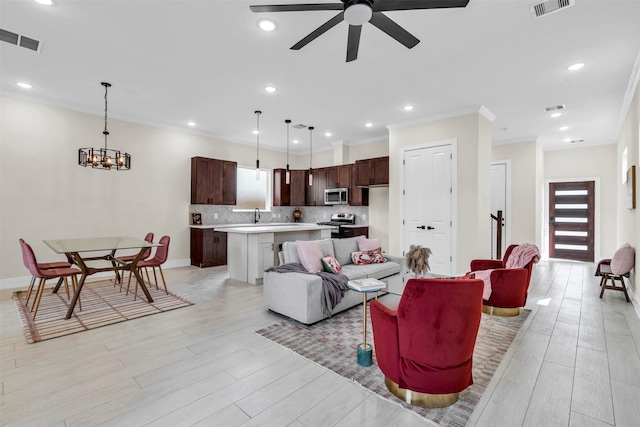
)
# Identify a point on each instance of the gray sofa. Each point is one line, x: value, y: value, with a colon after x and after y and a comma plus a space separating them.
x: 299, y: 295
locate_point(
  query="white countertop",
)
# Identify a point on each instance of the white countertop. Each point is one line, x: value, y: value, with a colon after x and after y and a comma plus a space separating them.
x: 281, y: 227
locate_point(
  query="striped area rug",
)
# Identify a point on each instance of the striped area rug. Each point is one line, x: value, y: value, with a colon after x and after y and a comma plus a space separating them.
x: 102, y: 304
x: 332, y: 343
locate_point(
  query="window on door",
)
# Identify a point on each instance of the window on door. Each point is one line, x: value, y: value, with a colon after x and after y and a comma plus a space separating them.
x: 571, y: 220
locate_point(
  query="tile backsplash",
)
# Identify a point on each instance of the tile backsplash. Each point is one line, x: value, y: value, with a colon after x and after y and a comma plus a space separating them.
x: 216, y: 214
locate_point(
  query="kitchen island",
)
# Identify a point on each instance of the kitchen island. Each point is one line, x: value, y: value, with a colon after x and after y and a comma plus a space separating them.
x: 252, y: 248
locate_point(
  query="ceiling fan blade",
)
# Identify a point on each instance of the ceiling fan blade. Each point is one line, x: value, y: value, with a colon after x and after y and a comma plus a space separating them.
x: 296, y: 7
x: 319, y: 31
x: 389, y: 5
x: 353, y: 42
x: 387, y: 25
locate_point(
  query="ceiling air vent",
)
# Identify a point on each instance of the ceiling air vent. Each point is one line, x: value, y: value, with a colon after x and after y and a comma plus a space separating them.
x: 541, y: 9
x: 555, y: 108
x: 299, y: 126
x: 19, y: 40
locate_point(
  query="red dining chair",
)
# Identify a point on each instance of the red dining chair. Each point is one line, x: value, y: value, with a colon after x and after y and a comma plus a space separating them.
x: 31, y: 263
x: 130, y: 258
x: 158, y: 259
x: 43, y: 266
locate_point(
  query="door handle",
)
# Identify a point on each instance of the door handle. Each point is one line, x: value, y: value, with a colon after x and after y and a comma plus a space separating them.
x: 421, y: 226
x: 431, y: 228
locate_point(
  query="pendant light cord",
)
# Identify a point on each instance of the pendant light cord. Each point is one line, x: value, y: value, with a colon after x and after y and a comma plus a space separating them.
x: 258, y: 112
x: 105, y: 132
x: 287, y: 122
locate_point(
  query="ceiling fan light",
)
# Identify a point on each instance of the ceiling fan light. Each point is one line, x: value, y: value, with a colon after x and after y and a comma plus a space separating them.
x: 358, y: 14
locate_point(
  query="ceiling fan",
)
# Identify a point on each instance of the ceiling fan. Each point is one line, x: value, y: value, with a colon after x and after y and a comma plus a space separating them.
x: 357, y: 13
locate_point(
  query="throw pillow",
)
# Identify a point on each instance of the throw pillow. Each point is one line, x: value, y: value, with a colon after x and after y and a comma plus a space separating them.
x: 331, y: 264
x: 368, y: 257
x: 368, y: 244
x: 310, y: 254
x: 623, y: 260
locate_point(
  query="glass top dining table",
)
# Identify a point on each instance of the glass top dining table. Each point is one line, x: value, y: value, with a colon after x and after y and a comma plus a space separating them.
x: 73, y: 248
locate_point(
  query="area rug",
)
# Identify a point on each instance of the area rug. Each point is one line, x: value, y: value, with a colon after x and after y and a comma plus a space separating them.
x: 332, y: 343
x: 102, y: 304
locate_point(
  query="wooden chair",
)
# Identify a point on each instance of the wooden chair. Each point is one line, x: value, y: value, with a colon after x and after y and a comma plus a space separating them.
x: 619, y: 268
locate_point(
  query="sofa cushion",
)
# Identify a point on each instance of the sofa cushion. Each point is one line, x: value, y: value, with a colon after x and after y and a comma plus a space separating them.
x: 331, y: 264
x: 290, y: 251
x: 379, y: 271
x: 623, y: 260
x: 368, y: 257
x: 353, y: 271
x: 343, y: 249
x: 310, y: 254
x: 368, y: 244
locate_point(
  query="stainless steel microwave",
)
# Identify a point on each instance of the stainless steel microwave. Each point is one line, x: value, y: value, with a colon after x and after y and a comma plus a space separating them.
x: 336, y: 196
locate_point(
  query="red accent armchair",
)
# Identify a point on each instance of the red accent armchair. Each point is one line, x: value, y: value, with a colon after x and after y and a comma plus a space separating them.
x: 426, y: 345
x: 509, y: 286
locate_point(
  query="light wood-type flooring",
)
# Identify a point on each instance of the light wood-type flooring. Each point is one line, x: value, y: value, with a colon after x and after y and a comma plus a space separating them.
x: 575, y: 363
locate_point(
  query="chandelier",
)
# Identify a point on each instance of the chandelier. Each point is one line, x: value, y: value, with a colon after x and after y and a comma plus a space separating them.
x: 104, y: 158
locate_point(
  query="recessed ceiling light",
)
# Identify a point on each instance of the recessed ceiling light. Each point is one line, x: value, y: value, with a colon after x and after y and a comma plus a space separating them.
x: 368, y: 124
x: 255, y: 132
x: 45, y: 2
x: 270, y: 89
x: 407, y: 107
x: 295, y: 141
x: 576, y: 66
x: 191, y: 123
x: 266, y: 25
x: 328, y: 134
x: 555, y: 115
x: 567, y: 140
x: 24, y: 85
x: 563, y: 128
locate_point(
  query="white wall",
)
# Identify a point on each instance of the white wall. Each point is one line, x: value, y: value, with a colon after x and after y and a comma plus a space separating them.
x: 473, y: 135
x: 522, y: 220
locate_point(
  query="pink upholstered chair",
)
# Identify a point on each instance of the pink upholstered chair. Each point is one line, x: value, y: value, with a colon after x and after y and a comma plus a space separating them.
x: 130, y: 258
x: 509, y: 286
x: 619, y: 268
x: 426, y: 345
x: 32, y: 265
x: 160, y: 257
x: 43, y: 266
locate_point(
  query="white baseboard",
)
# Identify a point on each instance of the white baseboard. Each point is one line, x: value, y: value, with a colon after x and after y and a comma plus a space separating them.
x: 23, y: 282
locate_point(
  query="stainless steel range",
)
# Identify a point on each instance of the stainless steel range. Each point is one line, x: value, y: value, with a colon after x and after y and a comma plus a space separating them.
x: 336, y: 221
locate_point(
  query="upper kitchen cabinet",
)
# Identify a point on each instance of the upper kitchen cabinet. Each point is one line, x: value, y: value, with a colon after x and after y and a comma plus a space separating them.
x: 372, y: 172
x: 292, y: 194
x: 315, y: 192
x: 358, y: 196
x: 213, y: 181
x: 339, y: 176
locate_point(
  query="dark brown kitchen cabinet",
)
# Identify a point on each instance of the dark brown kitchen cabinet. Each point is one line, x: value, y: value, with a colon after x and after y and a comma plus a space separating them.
x: 372, y: 172
x: 292, y: 194
x: 315, y: 192
x: 208, y: 247
x: 213, y: 181
x: 339, y: 176
x: 358, y: 196
x: 354, y: 231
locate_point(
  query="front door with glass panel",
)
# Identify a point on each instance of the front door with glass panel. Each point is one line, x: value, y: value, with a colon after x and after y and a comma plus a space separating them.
x: 571, y: 220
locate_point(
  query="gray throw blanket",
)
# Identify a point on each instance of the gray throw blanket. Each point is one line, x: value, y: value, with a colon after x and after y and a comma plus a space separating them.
x: 333, y: 285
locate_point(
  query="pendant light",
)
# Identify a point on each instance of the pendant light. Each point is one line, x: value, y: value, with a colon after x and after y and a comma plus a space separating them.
x: 258, y: 112
x: 310, y: 155
x: 287, y: 175
x: 104, y: 158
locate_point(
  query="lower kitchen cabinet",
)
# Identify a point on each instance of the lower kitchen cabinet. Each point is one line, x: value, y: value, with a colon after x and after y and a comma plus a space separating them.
x: 208, y: 247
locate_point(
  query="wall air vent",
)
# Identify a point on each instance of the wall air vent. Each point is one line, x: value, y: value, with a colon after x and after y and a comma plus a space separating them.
x: 299, y: 126
x: 543, y: 8
x: 576, y: 141
x: 555, y: 108
x: 20, y: 40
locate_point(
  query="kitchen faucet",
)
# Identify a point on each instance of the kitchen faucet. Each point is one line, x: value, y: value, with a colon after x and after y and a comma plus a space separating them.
x: 256, y: 216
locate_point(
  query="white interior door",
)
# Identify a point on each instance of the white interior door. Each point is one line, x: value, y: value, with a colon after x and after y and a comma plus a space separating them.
x: 428, y: 204
x: 498, y: 202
